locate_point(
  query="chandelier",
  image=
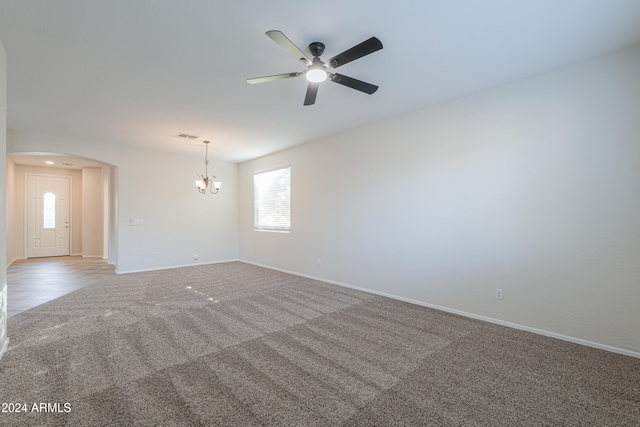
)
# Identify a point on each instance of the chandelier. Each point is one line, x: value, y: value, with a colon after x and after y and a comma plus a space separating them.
x: 205, y: 180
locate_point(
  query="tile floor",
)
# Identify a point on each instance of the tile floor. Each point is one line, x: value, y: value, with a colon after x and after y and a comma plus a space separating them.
x: 34, y: 281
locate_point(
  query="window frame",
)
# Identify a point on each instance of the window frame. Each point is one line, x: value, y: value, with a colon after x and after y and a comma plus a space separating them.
x: 260, y: 224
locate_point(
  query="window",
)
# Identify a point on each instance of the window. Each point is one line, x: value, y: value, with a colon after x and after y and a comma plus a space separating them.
x: 49, y: 214
x: 272, y: 200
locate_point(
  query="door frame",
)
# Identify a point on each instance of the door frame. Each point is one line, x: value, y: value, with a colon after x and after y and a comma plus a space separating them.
x: 26, y: 209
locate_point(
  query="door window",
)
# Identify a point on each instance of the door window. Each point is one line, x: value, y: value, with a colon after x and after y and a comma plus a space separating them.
x: 49, y: 214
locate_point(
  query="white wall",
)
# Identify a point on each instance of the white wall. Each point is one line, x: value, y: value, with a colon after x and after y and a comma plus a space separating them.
x: 14, y: 251
x: 532, y: 187
x: 158, y: 188
x: 92, y: 212
x: 4, y: 340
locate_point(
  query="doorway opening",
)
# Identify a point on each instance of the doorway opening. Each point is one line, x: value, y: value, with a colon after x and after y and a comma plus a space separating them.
x: 61, y: 205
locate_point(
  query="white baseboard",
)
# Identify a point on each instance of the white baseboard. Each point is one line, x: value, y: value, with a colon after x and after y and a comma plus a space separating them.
x: 173, y: 266
x: 574, y: 340
x: 4, y: 347
x: 14, y: 260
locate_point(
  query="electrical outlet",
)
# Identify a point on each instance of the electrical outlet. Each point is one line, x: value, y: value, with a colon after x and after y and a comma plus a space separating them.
x: 499, y: 294
x: 319, y: 262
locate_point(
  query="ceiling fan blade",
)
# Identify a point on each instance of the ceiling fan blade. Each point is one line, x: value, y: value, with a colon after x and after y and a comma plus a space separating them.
x: 354, y: 83
x: 312, y: 92
x: 358, y: 51
x: 278, y: 37
x: 272, y: 78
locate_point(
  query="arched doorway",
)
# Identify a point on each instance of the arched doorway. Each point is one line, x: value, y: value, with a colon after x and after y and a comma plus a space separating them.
x: 93, y: 203
x: 90, y: 217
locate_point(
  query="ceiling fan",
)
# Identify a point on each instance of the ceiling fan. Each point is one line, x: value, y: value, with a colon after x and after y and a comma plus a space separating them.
x: 317, y: 70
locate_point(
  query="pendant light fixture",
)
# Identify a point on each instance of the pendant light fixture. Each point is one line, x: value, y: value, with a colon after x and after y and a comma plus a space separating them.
x: 205, y: 181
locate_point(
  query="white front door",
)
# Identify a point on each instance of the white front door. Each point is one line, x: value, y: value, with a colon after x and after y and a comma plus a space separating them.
x: 48, y: 215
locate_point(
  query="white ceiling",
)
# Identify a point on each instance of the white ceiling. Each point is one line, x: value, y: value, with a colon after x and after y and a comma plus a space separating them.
x: 139, y: 72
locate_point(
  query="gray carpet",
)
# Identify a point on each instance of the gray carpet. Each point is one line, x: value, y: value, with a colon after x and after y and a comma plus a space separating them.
x: 237, y: 345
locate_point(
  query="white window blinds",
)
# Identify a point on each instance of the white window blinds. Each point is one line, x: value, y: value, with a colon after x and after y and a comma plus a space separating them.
x: 272, y: 200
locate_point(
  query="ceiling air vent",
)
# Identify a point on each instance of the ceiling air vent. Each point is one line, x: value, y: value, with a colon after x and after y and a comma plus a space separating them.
x: 186, y: 136
x: 67, y: 164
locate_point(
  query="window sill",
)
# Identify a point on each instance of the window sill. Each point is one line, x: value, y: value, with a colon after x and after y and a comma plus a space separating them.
x: 272, y: 231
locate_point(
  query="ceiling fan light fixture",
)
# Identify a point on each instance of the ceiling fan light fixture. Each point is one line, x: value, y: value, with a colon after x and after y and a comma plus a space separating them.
x: 316, y: 75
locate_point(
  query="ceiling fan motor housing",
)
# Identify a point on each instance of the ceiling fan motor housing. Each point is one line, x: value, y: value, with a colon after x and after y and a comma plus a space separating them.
x: 316, y: 48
